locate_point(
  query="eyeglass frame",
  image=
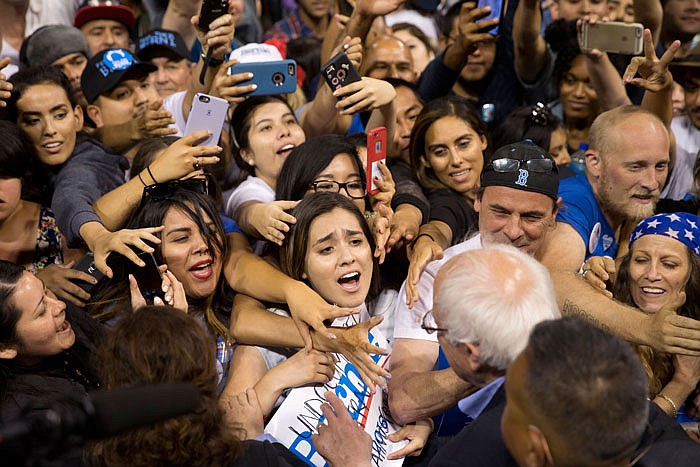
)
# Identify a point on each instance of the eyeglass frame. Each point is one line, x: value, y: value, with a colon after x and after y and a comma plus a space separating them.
x: 341, y: 185
x: 527, y: 162
x: 430, y: 329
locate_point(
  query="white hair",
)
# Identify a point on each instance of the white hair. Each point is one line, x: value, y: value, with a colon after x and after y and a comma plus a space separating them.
x: 494, y: 297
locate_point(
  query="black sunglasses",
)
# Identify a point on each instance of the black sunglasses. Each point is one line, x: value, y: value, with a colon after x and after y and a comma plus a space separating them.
x: 507, y: 164
x: 161, y: 191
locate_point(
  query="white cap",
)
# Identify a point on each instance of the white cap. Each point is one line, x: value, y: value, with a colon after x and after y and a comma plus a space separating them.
x: 253, y: 53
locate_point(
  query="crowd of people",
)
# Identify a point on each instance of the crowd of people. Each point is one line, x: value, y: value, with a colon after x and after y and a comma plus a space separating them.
x: 518, y: 281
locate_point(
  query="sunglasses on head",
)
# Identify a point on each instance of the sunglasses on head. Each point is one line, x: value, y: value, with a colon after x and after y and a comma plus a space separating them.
x: 161, y: 191
x: 507, y: 164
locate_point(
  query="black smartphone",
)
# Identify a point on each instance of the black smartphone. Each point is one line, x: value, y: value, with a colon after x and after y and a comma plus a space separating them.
x: 148, y: 277
x: 339, y: 71
x: 87, y: 265
x: 211, y: 9
x: 344, y: 8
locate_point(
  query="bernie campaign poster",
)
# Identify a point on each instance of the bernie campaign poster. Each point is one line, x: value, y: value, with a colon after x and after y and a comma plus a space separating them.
x: 296, y: 419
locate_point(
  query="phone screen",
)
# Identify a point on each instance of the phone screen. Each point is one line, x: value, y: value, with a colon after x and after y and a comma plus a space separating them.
x: 148, y: 277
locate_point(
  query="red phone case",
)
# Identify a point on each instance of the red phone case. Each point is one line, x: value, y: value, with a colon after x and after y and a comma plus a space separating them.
x: 376, y: 151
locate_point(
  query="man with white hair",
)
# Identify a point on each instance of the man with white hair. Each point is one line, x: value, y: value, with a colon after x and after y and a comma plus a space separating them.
x: 481, y: 329
x: 517, y: 205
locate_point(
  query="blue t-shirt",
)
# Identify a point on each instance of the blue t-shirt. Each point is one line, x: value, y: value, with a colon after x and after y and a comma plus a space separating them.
x: 230, y: 225
x: 581, y: 211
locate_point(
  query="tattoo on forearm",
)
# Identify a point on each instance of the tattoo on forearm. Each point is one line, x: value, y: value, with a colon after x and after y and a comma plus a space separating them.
x: 570, y: 308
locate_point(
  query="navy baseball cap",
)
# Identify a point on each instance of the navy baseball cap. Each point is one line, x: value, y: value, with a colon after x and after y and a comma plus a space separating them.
x: 108, y: 68
x: 160, y: 43
x: 523, y: 166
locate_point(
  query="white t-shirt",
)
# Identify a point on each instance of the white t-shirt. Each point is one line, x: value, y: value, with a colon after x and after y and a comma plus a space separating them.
x: 407, y: 321
x: 173, y: 104
x: 43, y: 12
x: 680, y: 181
x: 251, y: 189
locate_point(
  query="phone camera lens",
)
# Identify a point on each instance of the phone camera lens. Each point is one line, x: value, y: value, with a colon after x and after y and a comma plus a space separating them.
x: 290, y: 70
x: 204, y: 99
x: 278, y: 79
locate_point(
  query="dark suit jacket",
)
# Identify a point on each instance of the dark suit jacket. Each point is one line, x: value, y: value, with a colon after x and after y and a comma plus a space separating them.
x: 481, y: 444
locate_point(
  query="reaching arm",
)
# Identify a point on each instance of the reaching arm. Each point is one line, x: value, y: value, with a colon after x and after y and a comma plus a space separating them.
x: 416, y: 392
x: 564, y: 253
x: 177, y: 18
x: 115, y: 207
x: 650, y: 14
x: 529, y: 46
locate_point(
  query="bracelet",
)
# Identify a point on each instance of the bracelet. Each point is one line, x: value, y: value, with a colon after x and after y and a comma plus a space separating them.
x: 213, y: 62
x: 148, y: 168
x: 142, y: 182
x: 424, y: 235
x: 674, y: 414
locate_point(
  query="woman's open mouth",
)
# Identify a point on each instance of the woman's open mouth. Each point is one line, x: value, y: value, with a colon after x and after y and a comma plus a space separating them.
x: 350, y: 282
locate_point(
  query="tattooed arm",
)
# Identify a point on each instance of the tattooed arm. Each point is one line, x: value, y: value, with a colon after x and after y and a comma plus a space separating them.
x: 564, y: 252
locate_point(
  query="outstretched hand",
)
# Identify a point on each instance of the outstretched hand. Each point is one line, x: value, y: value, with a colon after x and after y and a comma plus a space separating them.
x: 671, y: 333
x: 424, y: 250
x: 121, y: 242
x: 184, y: 156
x: 341, y: 442
x: 353, y: 344
x: 309, y: 310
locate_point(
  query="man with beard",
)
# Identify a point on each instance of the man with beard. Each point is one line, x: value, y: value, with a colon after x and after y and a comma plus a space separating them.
x: 626, y: 167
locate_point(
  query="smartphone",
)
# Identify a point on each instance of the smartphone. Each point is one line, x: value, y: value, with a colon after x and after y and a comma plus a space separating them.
x: 275, y: 77
x: 376, y: 152
x: 343, y: 7
x: 339, y: 71
x: 211, y: 9
x: 613, y: 36
x: 207, y: 113
x: 87, y: 265
x: 495, y: 13
x: 148, y: 277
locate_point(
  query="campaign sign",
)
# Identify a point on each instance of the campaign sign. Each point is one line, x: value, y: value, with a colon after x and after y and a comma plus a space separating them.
x: 300, y: 413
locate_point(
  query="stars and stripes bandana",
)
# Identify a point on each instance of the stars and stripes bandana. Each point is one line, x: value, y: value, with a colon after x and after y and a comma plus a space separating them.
x: 680, y: 226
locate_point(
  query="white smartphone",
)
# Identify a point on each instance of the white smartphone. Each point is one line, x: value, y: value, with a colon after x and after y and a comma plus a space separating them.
x: 207, y: 113
x: 614, y: 36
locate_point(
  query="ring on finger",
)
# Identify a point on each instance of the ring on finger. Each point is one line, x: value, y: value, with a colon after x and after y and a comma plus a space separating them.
x: 195, y: 164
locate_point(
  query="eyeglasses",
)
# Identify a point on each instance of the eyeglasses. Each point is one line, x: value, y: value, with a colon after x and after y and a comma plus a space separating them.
x: 425, y: 324
x: 507, y: 164
x: 354, y: 188
x: 161, y: 191
x: 541, y: 114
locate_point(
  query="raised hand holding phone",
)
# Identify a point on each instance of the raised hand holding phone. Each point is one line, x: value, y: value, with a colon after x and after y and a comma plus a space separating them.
x: 376, y: 154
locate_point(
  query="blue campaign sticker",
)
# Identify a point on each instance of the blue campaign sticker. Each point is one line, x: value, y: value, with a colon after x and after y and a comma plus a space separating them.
x: 117, y: 59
